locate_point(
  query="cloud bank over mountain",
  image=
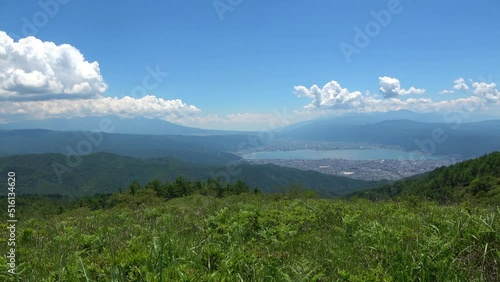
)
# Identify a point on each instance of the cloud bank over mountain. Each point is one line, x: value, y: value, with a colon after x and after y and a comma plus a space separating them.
x: 391, y: 88
x: 42, y: 80
x: 332, y: 97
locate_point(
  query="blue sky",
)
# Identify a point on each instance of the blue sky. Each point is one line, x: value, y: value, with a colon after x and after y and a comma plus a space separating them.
x: 236, y: 65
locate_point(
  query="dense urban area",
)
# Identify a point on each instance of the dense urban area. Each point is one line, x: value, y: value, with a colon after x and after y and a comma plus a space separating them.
x: 376, y: 169
x: 364, y: 170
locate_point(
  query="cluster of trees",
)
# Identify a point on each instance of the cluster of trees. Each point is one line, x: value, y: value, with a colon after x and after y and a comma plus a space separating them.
x: 182, y: 187
x: 135, y: 193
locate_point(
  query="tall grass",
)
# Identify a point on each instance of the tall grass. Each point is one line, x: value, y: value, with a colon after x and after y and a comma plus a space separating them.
x: 260, y: 238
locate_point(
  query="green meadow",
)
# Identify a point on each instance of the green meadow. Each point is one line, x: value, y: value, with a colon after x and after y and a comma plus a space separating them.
x: 292, y: 236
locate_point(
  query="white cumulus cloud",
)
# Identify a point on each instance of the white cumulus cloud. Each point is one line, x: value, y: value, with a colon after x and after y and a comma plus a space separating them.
x: 331, y: 95
x: 460, y: 84
x: 391, y: 87
x: 148, y: 106
x: 31, y: 69
x: 489, y: 92
x: 41, y: 80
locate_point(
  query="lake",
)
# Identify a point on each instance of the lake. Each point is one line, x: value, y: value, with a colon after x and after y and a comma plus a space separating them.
x: 346, y: 154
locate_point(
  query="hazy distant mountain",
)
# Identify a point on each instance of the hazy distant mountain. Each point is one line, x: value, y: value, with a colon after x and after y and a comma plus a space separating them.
x: 369, y: 118
x: 164, y: 139
x: 465, y: 139
x: 120, y: 125
x: 468, y: 139
x: 337, y: 126
x: 193, y: 149
x: 161, y: 127
x: 366, y: 118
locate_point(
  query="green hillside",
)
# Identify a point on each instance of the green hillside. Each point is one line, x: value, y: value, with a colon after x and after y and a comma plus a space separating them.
x: 104, y: 173
x: 476, y: 180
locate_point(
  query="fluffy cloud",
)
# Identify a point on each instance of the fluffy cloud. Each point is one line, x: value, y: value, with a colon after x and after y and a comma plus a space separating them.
x: 41, y: 80
x: 460, y: 85
x: 31, y: 69
x: 334, y: 99
x: 391, y: 87
x: 266, y: 122
x: 487, y: 91
x: 331, y: 95
x: 447, y: 91
x: 148, y: 106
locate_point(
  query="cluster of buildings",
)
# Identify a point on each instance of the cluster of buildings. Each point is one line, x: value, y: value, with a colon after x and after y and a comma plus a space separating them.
x: 366, y: 169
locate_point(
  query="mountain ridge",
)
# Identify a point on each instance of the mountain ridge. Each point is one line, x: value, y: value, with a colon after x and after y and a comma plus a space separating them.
x: 435, y: 138
x: 144, y: 126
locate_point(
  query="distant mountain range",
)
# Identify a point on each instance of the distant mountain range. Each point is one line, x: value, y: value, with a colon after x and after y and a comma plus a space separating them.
x: 110, y: 160
x: 464, y: 140
x: 148, y: 126
x: 209, y: 150
x: 195, y: 152
x: 461, y: 139
x: 120, y: 125
x: 351, y: 119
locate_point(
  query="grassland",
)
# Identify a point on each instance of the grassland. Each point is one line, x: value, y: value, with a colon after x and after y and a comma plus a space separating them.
x: 254, y: 237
